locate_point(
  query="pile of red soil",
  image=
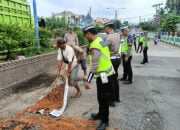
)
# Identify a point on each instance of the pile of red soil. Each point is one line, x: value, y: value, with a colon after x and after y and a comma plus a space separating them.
x: 53, y: 100
x: 29, y: 119
x: 22, y: 122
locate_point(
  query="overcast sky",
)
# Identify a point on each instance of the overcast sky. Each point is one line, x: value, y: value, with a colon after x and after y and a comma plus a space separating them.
x: 134, y: 8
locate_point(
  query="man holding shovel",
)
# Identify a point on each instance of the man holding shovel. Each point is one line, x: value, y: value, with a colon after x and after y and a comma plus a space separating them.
x: 66, y: 54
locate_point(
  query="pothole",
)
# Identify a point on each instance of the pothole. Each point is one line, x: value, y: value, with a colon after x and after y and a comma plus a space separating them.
x: 152, y: 121
x: 156, y: 91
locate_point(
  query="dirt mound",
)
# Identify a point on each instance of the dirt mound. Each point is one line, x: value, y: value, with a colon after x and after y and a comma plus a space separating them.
x: 22, y: 122
x: 30, y: 119
x: 53, y: 100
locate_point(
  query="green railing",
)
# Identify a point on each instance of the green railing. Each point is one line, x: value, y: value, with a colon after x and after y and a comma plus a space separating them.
x: 171, y: 40
x: 151, y: 35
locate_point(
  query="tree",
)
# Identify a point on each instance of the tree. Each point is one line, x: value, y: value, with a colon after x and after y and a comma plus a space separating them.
x: 55, y: 23
x: 117, y: 24
x: 170, y: 22
x: 147, y: 26
x: 13, y: 37
x: 125, y: 23
x: 173, y: 6
x: 99, y: 27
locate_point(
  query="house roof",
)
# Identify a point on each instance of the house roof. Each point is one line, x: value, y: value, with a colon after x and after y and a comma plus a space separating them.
x: 66, y: 13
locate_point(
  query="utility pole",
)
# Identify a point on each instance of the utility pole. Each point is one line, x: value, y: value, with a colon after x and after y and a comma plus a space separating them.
x: 90, y: 10
x: 64, y: 17
x: 157, y: 7
x: 139, y: 21
x: 116, y: 14
x: 175, y: 7
x: 36, y: 22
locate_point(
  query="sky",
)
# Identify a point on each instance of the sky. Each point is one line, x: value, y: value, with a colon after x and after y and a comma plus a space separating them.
x: 134, y: 8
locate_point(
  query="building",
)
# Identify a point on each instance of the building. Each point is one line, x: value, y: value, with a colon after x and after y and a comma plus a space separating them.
x: 70, y: 17
x: 102, y: 20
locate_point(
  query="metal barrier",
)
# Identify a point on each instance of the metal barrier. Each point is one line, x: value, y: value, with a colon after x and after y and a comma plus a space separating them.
x: 171, y: 40
x: 167, y: 39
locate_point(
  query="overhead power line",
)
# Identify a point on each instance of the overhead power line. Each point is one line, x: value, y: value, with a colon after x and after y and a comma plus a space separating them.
x: 137, y: 16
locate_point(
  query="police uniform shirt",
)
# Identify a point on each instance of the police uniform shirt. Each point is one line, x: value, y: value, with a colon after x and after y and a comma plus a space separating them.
x: 113, y: 41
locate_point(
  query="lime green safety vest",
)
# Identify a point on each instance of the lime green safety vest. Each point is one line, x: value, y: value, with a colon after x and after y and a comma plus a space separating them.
x: 141, y: 39
x: 124, y: 47
x: 105, y: 64
x: 146, y: 42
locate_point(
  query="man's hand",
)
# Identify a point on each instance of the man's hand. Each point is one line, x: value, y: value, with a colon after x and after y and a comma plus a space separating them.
x: 67, y: 73
x: 78, y: 60
x: 88, y: 85
x: 126, y: 59
x: 58, y: 72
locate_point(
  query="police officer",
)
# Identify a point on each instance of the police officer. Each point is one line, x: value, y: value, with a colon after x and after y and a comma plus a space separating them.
x: 146, y: 44
x: 127, y: 51
x: 102, y: 69
x: 134, y: 38
x: 113, y: 42
x: 140, y: 45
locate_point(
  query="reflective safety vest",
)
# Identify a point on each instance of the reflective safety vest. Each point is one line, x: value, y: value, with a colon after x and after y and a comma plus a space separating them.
x: 141, y: 39
x: 105, y: 64
x: 124, y: 47
x: 146, y: 42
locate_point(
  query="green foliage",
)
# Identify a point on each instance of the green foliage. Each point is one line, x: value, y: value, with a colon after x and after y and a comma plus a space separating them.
x: 173, y: 6
x: 13, y: 37
x: 45, y: 36
x: 125, y: 23
x: 117, y: 24
x: 81, y: 38
x: 55, y: 23
x: 99, y: 27
x: 60, y: 32
x: 170, y: 22
x: 147, y: 26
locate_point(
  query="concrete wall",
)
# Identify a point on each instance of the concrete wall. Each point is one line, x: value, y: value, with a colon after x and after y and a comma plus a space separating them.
x: 15, y: 72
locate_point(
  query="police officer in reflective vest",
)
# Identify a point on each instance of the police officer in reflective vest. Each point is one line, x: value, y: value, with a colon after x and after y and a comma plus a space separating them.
x: 140, y: 45
x: 113, y: 42
x: 127, y: 51
x: 102, y: 69
x: 146, y: 44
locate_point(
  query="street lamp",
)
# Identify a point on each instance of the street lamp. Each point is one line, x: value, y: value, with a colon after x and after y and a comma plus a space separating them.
x: 116, y: 11
x: 36, y: 22
x: 116, y: 14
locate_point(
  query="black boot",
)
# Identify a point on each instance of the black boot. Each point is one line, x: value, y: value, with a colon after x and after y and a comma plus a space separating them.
x: 123, y: 79
x: 118, y: 100
x: 127, y: 82
x: 95, y: 116
x: 112, y: 104
x: 102, y: 126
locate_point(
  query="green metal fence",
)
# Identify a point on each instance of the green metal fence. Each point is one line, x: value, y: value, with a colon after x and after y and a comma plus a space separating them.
x: 171, y: 40
x: 15, y: 12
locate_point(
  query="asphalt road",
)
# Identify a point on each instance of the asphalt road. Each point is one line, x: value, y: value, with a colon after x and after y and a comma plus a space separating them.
x: 152, y: 102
